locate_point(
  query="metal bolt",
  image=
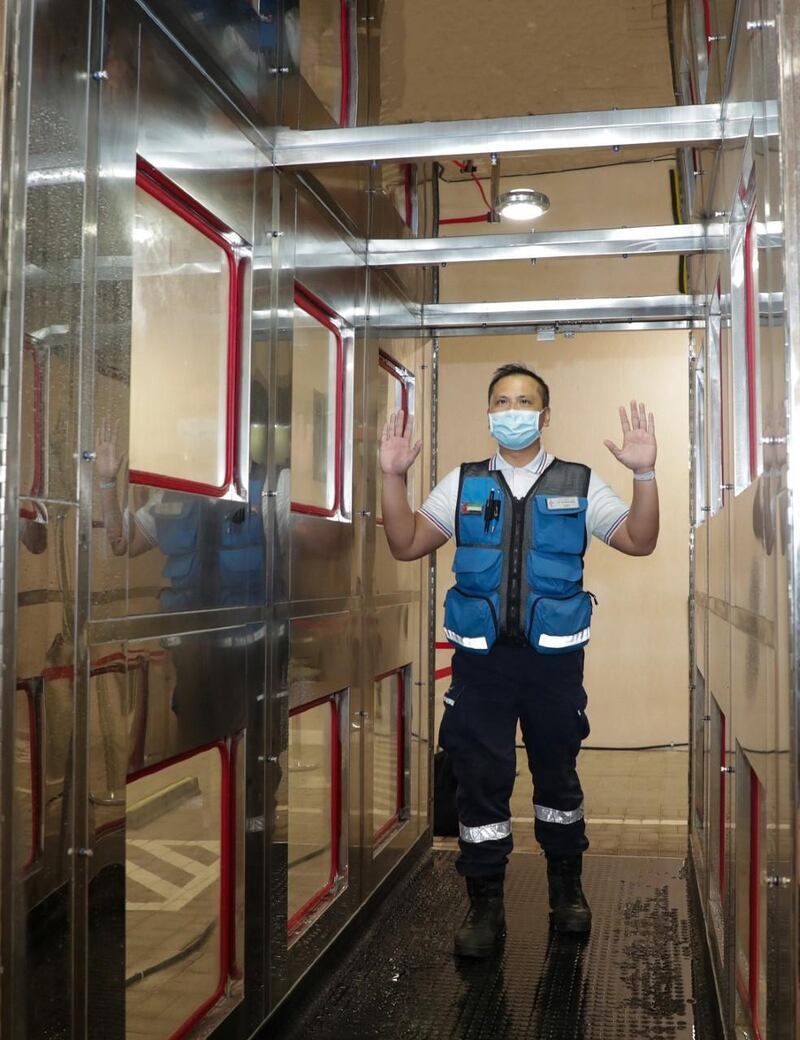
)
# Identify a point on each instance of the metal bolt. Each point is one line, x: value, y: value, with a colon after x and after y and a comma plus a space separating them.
x: 88, y: 456
x: 272, y: 494
x: 727, y: 487
x: 719, y: 214
x: 717, y: 38
x: 364, y: 512
x: 706, y: 718
x: 773, y: 440
x: 80, y: 852
x: 277, y: 234
x: 100, y: 74
x: 774, y: 881
x: 282, y: 70
x: 727, y: 769
x: 705, y: 509
x: 761, y: 23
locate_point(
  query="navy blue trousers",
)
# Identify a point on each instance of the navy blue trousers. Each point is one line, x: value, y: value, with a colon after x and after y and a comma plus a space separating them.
x: 488, y: 695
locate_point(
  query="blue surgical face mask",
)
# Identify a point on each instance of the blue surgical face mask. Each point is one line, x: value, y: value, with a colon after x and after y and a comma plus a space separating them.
x: 515, y: 428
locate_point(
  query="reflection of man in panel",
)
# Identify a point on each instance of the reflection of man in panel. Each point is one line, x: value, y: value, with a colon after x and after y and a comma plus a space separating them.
x: 519, y: 619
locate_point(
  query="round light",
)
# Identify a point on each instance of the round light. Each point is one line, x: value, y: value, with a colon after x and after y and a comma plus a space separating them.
x: 522, y: 204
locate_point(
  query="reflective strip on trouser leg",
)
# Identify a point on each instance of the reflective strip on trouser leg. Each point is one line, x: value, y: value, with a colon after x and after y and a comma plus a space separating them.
x: 547, y: 815
x: 486, y: 832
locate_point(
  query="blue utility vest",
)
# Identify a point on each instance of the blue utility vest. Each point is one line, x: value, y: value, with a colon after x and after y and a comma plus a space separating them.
x: 519, y: 562
x: 215, y: 551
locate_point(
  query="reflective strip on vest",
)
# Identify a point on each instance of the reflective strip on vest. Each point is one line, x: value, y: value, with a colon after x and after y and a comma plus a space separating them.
x: 556, y: 642
x: 547, y: 815
x: 487, y: 832
x: 470, y: 642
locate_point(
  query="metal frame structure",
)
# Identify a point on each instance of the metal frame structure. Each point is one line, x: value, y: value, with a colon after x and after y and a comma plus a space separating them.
x: 333, y: 590
x: 676, y: 126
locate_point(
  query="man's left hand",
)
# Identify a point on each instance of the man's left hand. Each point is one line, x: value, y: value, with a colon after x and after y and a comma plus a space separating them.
x: 638, y: 451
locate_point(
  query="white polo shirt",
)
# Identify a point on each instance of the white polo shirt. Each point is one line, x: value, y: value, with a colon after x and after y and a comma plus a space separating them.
x: 604, y: 513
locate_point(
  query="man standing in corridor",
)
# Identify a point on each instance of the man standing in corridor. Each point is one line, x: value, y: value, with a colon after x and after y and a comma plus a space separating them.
x: 519, y: 617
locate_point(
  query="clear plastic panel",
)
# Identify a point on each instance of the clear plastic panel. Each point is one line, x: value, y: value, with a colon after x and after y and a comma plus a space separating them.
x: 388, y: 753
x: 320, y: 24
x: 179, y: 348
x: 314, y: 792
x: 316, y: 435
x: 177, y: 852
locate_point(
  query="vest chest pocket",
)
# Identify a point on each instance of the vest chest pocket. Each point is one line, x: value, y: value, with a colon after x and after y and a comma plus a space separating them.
x: 554, y: 575
x: 475, y: 524
x: 559, y: 626
x: 478, y: 570
x: 559, y: 524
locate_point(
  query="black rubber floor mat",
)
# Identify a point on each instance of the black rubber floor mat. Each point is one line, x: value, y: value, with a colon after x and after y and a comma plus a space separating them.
x: 639, y: 975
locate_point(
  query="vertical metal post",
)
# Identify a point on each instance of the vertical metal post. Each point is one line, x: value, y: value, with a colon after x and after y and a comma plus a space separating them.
x: 16, y: 38
x: 79, y: 780
x: 789, y: 85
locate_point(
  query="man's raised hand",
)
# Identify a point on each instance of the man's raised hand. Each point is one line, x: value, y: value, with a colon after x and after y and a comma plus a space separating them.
x: 397, y: 450
x: 639, y: 449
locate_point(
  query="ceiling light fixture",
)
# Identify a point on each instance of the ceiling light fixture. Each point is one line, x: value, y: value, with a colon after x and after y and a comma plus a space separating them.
x: 522, y: 204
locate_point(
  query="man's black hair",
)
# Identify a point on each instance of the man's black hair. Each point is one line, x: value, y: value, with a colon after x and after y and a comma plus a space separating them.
x: 516, y: 368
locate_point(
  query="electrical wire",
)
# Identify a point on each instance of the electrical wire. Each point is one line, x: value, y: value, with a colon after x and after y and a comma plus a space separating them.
x: 575, y: 169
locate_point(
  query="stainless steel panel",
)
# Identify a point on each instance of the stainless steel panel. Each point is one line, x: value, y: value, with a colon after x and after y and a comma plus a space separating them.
x: 236, y: 49
x: 186, y: 133
x: 45, y: 677
x: 682, y: 125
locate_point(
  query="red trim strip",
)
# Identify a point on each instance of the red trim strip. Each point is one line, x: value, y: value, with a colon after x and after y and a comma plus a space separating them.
x: 445, y: 646
x: 336, y: 807
x: 344, y: 50
x: 225, y: 908
x: 707, y: 25
x: 314, y: 307
x: 480, y: 218
x: 755, y: 901
x: 188, y: 209
x: 443, y: 673
x: 751, y: 332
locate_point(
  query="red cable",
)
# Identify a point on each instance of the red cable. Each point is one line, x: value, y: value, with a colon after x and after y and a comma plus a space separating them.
x: 481, y: 218
x: 462, y: 166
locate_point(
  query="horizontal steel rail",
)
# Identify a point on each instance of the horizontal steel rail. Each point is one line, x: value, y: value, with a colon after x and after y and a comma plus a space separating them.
x: 673, y: 126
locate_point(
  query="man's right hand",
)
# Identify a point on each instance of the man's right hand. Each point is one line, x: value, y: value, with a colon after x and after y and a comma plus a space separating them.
x: 397, y: 452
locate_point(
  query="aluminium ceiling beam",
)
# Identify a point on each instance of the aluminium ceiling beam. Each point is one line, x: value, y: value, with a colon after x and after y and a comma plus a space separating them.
x: 531, y: 313
x: 673, y: 126
x: 548, y: 245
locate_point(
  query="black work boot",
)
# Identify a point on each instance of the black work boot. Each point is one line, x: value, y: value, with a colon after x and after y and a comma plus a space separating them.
x: 569, y: 911
x: 485, y: 923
